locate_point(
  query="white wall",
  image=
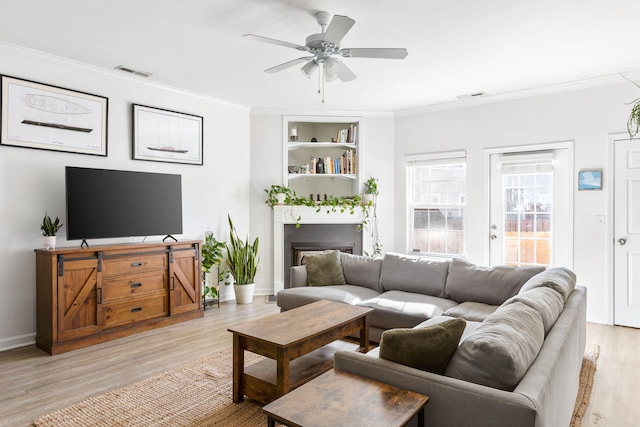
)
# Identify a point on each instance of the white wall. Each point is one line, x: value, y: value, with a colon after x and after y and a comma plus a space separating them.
x: 376, y: 157
x: 585, y: 116
x: 32, y: 181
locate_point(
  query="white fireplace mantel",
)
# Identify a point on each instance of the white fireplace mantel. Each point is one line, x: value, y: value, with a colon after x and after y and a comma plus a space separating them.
x: 305, y: 215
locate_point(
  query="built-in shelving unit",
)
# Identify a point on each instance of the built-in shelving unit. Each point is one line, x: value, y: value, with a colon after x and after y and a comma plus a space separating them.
x: 335, y: 140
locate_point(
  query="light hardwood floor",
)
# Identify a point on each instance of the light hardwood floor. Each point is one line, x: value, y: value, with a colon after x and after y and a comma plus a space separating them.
x: 33, y: 383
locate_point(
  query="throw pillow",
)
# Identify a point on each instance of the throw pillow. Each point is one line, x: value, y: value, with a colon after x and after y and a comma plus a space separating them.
x: 489, y: 285
x: 499, y: 352
x: 428, y: 349
x: 324, y: 269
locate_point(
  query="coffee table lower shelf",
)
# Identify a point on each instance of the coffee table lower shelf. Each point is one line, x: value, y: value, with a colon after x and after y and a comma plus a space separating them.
x: 342, y: 399
x: 259, y: 381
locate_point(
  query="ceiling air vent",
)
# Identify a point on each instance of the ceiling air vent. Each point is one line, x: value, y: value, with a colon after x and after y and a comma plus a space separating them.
x: 471, y: 95
x: 132, y: 71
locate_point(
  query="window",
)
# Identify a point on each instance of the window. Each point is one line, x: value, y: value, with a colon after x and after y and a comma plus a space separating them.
x: 436, y: 185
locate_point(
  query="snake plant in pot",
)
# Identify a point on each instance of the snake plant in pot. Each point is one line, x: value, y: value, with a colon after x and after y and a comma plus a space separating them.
x: 49, y: 230
x: 242, y: 262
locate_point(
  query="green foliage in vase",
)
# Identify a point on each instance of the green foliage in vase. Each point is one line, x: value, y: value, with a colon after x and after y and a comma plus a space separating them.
x: 49, y: 227
x: 242, y: 257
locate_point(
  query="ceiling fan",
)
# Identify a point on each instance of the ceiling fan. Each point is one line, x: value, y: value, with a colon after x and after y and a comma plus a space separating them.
x: 324, y: 48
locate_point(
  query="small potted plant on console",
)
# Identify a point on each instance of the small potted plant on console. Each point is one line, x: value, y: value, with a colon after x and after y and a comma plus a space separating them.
x: 49, y: 230
x: 211, y: 256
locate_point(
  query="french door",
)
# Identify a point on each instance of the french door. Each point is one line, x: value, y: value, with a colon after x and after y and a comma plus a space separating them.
x: 530, y: 206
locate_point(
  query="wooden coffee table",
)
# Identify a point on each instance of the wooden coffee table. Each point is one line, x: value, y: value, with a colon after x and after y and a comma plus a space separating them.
x: 299, y: 345
x: 342, y: 399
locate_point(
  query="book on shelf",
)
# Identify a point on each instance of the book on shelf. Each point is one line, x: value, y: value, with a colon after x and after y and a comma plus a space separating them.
x: 347, y: 136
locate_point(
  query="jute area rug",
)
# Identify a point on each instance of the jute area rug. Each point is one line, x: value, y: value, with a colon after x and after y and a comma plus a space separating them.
x: 199, y: 394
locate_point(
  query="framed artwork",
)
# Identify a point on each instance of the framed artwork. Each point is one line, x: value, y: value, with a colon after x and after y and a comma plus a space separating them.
x: 166, y: 136
x: 35, y: 115
x: 590, y: 180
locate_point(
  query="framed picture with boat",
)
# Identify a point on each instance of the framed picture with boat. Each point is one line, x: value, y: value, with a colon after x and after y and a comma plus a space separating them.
x: 36, y: 115
x: 166, y: 136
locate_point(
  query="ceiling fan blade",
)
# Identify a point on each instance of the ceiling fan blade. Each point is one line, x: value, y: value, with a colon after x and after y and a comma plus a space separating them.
x: 288, y: 64
x: 337, y: 29
x: 273, y: 41
x: 384, y: 53
x: 344, y: 73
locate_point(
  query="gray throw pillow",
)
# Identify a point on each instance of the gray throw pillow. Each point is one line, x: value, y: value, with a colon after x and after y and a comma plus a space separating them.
x: 489, y: 285
x: 499, y: 352
x: 361, y: 270
x: 324, y: 269
x: 428, y: 349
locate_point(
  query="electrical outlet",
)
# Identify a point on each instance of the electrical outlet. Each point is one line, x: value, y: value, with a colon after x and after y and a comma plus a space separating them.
x: 259, y: 268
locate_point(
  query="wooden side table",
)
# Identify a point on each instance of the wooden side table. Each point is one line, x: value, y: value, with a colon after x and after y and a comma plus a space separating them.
x: 339, y: 398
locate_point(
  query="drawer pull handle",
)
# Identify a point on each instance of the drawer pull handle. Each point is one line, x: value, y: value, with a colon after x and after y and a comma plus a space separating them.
x: 136, y: 285
x: 136, y: 264
x: 136, y: 310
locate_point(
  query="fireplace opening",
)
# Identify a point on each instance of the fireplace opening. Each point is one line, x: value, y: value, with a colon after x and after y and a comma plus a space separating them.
x: 313, y: 238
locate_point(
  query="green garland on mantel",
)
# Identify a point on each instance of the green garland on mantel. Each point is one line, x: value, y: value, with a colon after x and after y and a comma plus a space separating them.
x: 330, y: 204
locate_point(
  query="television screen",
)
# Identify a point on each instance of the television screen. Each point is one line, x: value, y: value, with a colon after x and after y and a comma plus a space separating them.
x: 104, y: 203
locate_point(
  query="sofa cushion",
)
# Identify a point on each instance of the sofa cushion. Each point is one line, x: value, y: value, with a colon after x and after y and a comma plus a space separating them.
x: 324, y: 269
x: 468, y: 329
x: 489, y: 285
x: 295, y: 297
x: 413, y: 274
x: 547, y: 302
x: 474, y: 311
x: 398, y: 309
x: 362, y: 271
x: 499, y: 352
x: 428, y: 349
x: 560, y: 279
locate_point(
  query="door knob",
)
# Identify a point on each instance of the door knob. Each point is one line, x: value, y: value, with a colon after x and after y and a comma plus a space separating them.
x: 494, y: 237
x: 622, y: 242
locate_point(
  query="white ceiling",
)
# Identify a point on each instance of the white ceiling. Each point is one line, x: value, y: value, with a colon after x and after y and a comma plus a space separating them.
x: 456, y: 47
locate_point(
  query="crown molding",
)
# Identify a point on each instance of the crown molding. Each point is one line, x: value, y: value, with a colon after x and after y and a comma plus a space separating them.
x: 47, y: 59
x: 314, y: 112
x: 520, y: 94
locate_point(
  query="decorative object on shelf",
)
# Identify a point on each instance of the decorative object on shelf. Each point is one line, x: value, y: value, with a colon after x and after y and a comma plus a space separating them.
x: 314, y: 139
x: 324, y: 47
x: 212, y: 254
x: 166, y: 136
x: 293, y: 169
x: 372, y: 192
x: 294, y: 134
x: 242, y: 261
x: 320, y: 165
x: 590, y: 180
x: 35, y: 115
x: 49, y: 230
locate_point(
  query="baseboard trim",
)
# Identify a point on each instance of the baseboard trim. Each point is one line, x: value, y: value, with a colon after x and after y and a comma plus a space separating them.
x: 17, y: 341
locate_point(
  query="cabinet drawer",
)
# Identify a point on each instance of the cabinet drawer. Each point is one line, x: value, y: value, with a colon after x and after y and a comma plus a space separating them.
x: 134, y: 286
x: 133, y: 264
x: 121, y: 313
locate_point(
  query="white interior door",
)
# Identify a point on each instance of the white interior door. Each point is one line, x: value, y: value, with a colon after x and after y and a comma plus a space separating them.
x: 627, y: 233
x: 530, y: 208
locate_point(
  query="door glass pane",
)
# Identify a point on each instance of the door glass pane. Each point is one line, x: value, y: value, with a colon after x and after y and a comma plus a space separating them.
x: 528, y: 199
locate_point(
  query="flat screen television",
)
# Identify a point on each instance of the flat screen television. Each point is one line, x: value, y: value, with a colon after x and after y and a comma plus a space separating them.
x: 103, y: 203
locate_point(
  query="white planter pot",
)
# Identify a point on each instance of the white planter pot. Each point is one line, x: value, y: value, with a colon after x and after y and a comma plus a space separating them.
x: 366, y: 199
x: 244, y: 293
x: 49, y: 242
x: 281, y: 197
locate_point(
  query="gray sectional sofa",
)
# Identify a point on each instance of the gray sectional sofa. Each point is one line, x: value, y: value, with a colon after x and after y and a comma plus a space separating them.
x: 518, y: 360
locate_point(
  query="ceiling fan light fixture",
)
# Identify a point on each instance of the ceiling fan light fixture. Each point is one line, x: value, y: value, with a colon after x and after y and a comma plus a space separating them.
x: 331, y: 69
x: 309, y: 68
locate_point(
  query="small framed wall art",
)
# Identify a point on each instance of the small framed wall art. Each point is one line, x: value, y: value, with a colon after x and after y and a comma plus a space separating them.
x: 166, y: 136
x: 590, y: 180
x: 35, y: 115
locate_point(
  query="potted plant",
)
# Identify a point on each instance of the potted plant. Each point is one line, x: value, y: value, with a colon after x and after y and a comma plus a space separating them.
x: 212, y: 252
x: 370, y: 191
x: 278, y: 195
x: 242, y: 261
x: 49, y: 230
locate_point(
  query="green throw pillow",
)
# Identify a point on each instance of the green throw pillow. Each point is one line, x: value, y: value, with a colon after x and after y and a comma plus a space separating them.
x: 428, y: 349
x: 324, y: 269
